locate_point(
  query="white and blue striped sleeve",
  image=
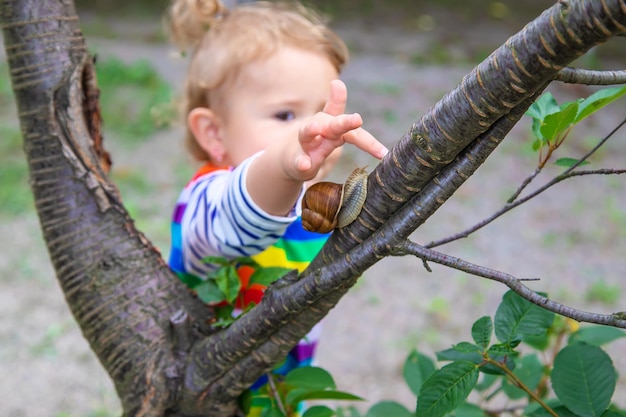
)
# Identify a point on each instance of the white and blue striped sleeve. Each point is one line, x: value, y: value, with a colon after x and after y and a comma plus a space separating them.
x: 221, y: 219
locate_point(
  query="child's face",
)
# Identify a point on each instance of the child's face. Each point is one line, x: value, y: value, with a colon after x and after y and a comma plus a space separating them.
x: 270, y: 100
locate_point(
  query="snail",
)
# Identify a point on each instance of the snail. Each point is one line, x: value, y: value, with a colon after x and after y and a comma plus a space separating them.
x: 327, y: 205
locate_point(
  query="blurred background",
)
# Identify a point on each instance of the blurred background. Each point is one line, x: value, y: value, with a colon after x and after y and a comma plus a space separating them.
x: 405, y: 55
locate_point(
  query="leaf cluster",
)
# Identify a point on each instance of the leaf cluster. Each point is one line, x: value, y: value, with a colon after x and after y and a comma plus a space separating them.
x: 575, y: 378
x: 225, y: 287
x: 284, y: 396
x: 552, y: 122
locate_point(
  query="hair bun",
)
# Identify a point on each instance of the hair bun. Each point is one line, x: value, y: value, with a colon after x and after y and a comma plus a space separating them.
x: 188, y: 20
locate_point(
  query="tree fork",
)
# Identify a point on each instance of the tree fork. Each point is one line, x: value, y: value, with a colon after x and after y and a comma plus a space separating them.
x: 139, y: 319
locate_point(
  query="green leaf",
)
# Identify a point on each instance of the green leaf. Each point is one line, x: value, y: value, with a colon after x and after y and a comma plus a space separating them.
x: 555, y: 123
x: 482, y: 330
x: 209, y: 293
x: 272, y: 412
x: 319, y: 411
x: 191, y: 281
x: 461, y: 351
x: 597, y: 335
x: 502, y: 353
x: 388, y: 409
x: 216, y: 260
x: 468, y: 410
x: 298, y: 395
x: 446, y: 388
x: 245, y: 401
x: 613, y: 413
x: 543, y: 106
x: 569, y: 162
x: 539, y: 341
x: 417, y: 368
x: 584, y: 379
x: 598, y: 100
x: 244, y: 261
x: 561, y: 411
x: 310, y: 378
x: 265, y: 276
x: 517, y: 318
x: 228, y: 282
x: 529, y: 370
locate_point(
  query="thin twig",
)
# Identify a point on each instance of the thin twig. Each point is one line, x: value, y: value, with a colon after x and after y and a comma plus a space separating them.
x: 513, y: 202
x: 411, y: 248
x: 590, y: 77
x: 274, y: 392
x: 518, y: 382
x: 523, y: 186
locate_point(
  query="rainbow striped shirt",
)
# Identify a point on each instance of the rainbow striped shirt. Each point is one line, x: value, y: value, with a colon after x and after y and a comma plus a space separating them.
x: 215, y: 216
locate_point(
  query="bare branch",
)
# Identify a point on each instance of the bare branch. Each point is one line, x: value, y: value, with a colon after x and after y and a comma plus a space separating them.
x: 515, y: 284
x: 590, y: 77
x: 513, y: 202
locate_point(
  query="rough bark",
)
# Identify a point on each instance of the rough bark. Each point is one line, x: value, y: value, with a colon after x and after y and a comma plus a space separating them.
x: 118, y: 288
x: 148, y: 331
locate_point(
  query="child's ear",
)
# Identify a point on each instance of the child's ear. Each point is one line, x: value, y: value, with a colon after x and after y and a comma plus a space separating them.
x: 205, y: 126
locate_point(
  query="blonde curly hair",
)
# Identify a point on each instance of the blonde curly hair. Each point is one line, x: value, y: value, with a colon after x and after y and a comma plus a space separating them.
x: 222, y: 41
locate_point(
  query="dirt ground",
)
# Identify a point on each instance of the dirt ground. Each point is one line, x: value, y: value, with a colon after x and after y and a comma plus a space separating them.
x: 571, y: 237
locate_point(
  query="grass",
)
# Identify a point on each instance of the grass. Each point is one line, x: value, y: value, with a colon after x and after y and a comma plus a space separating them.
x: 602, y: 292
x: 15, y: 195
x: 135, y: 102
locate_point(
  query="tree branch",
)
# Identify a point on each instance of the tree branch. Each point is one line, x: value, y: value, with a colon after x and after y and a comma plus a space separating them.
x: 515, y: 284
x: 514, y: 202
x: 119, y: 289
x: 511, y: 74
x: 590, y: 77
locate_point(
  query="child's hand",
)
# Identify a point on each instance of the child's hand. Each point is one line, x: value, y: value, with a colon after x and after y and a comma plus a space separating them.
x: 329, y: 130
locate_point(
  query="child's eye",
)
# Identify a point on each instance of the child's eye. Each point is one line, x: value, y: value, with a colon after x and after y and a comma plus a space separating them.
x: 285, y: 115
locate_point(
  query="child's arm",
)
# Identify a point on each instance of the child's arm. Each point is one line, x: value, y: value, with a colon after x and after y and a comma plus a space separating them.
x: 275, y: 178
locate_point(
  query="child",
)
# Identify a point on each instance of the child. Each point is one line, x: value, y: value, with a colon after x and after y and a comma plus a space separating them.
x: 265, y: 114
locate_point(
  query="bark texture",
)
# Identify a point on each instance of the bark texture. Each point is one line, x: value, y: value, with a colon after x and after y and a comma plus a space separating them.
x: 151, y: 334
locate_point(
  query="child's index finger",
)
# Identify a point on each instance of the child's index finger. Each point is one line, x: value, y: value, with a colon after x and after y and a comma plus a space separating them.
x: 365, y: 141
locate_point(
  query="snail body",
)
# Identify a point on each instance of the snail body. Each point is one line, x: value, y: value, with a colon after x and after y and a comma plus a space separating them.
x: 327, y: 205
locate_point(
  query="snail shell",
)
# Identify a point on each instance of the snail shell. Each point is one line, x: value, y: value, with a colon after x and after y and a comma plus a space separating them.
x: 327, y: 205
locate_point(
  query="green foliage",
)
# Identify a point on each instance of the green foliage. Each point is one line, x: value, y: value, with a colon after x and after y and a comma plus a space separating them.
x: 528, y: 358
x: 223, y: 286
x: 447, y: 388
x: 517, y: 318
x: 388, y: 408
x: 552, y: 122
x: 417, y: 368
x: 284, y: 395
x: 584, y: 379
x: 135, y: 100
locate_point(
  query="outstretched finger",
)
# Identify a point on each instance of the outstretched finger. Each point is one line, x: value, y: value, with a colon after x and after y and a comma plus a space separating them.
x: 365, y: 141
x: 336, y: 103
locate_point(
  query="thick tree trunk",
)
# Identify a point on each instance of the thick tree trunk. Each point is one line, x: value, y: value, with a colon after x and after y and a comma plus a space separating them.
x: 119, y: 289
x: 148, y: 331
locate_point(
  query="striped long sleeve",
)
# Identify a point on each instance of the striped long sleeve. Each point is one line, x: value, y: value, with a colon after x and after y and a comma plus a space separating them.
x: 217, y: 217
